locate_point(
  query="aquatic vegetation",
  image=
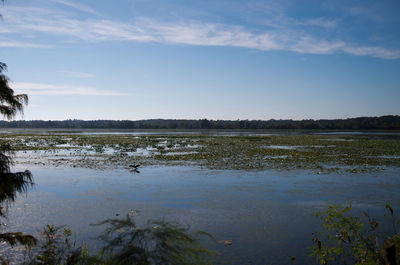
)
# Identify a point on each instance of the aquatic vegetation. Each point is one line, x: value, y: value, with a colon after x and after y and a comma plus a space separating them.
x: 318, y: 153
x: 156, y: 242
x: 125, y: 242
x: 57, y: 248
x: 346, y: 239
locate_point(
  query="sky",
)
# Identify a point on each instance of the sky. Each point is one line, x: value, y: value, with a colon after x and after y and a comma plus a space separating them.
x: 214, y: 59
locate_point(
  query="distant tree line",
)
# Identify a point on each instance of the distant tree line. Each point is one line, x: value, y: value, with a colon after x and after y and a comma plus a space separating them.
x: 390, y: 122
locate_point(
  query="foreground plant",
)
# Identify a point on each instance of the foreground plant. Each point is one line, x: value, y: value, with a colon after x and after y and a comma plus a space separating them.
x: 158, y: 242
x: 11, y: 183
x: 347, y: 240
x: 57, y: 248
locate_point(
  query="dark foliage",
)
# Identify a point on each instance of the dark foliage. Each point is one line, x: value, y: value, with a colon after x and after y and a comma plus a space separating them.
x: 11, y: 183
x: 14, y: 238
x: 348, y: 239
x: 56, y: 247
x: 157, y: 242
x: 10, y: 104
x: 390, y: 122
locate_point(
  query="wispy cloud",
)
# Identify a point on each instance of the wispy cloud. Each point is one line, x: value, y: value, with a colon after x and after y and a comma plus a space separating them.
x: 284, y: 38
x: 17, y: 44
x: 79, y: 7
x: 320, y: 22
x: 57, y: 89
x: 76, y: 74
x: 376, y: 51
x: 314, y: 46
x: 369, y: 13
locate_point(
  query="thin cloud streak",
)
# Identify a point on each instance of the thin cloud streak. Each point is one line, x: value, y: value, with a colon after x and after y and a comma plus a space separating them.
x: 33, y: 20
x: 79, y: 7
x: 17, y: 44
x: 56, y: 89
x: 320, y: 22
x: 76, y: 74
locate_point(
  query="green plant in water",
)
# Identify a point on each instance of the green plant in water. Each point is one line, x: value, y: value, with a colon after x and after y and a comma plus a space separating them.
x: 347, y: 240
x: 158, y: 242
x: 57, y: 248
x: 98, y: 148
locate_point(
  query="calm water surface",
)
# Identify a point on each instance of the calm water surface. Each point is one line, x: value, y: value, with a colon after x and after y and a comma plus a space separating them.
x: 211, y: 132
x: 267, y: 214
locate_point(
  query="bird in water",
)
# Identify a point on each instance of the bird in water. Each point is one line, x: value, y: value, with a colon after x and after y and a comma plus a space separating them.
x: 134, y: 166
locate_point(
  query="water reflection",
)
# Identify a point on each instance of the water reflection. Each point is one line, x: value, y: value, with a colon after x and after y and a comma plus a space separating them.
x: 263, y: 213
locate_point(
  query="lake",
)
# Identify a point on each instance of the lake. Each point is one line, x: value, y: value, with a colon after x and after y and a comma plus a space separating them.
x: 267, y: 209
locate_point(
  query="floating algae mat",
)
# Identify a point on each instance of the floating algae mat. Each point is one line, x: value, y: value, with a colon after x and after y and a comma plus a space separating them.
x: 321, y: 153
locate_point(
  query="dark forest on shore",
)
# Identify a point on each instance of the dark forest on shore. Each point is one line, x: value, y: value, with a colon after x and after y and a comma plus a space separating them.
x: 389, y: 122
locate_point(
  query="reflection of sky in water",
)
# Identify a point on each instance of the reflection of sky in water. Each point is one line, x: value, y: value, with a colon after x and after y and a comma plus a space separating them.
x: 284, y: 147
x: 267, y: 214
x: 359, y: 133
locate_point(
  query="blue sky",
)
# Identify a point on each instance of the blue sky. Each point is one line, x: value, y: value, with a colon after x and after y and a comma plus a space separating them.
x: 220, y: 59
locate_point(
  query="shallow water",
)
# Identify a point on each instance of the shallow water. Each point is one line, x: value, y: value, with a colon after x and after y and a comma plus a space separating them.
x: 358, y: 133
x: 268, y: 215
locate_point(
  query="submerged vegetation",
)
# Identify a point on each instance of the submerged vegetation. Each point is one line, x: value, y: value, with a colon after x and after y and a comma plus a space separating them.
x: 319, y: 153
